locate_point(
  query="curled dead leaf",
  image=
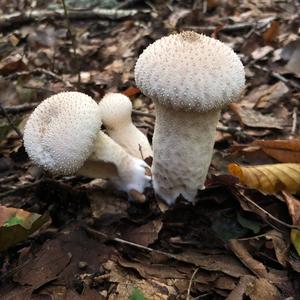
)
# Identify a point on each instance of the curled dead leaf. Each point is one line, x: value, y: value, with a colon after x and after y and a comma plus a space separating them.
x: 294, y: 210
x: 255, y: 119
x: 269, y: 178
x: 17, y: 224
x: 272, y: 32
x: 286, y: 151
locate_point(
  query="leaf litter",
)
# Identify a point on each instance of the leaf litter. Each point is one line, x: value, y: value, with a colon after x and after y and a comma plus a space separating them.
x: 234, y: 243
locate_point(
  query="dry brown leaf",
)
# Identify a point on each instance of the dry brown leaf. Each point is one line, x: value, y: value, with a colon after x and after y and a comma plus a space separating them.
x: 45, y: 267
x: 280, y: 144
x: 105, y: 202
x: 272, y: 32
x: 255, y: 289
x: 294, y: 207
x: 131, y: 91
x: 269, y: 178
x: 261, y: 52
x: 145, y: 234
x: 281, y: 245
x: 294, y: 210
x: 265, y: 95
x: 148, y: 270
x: 12, y: 63
x: 242, y: 253
x: 286, y: 151
x: 125, y: 283
x: 252, y: 118
x: 293, y: 64
x: 271, y: 95
x: 215, y: 262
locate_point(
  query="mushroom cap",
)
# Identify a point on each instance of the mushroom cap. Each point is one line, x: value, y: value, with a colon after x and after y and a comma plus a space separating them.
x: 60, y: 133
x: 190, y: 72
x: 115, y: 109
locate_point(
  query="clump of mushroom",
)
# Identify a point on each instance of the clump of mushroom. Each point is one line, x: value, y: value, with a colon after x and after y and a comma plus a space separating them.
x: 116, y: 111
x: 190, y: 77
x: 63, y: 136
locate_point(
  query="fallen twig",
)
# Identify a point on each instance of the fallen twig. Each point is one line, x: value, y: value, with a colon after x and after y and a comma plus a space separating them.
x: 101, y: 235
x: 73, y: 39
x: 19, y: 188
x: 20, y: 18
x: 39, y: 71
x: 278, y: 76
x: 294, y: 117
x: 233, y: 27
x: 143, y: 114
x: 8, y: 179
x: 241, y: 196
x: 10, y: 122
x: 190, y: 284
x: 22, y: 108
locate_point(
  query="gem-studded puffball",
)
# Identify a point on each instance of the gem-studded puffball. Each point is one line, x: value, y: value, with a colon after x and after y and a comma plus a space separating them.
x: 116, y: 110
x: 60, y: 133
x: 190, y: 72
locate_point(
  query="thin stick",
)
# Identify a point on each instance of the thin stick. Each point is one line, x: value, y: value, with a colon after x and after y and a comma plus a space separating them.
x: 190, y: 284
x: 233, y: 27
x: 10, y: 122
x: 39, y: 71
x: 294, y: 125
x: 101, y: 235
x: 277, y: 76
x: 19, y: 188
x: 22, y: 108
x: 73, y: 39
x: 143, y: 114
x: 247, y: 199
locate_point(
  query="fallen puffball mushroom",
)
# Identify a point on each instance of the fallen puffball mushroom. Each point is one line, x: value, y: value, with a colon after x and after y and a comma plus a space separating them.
x: 63, y: 136
x: 190, y: 77
x: 116, y: 112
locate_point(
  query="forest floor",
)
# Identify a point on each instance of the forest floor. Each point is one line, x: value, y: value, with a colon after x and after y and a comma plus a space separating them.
x: 75, y: 238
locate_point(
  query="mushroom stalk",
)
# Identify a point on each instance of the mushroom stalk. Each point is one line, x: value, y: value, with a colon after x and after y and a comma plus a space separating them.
x: 116, y: 112
x: 109, y: 160
x: 122, y: 135
x: 190, y: 77
x: 181, y: 160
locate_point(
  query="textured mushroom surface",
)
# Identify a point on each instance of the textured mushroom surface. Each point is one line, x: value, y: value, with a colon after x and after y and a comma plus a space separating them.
x: 190, y: 77
x: 60, y: 133
x: 186, y: 71
x: 125, y: 171
x: 116, y: 112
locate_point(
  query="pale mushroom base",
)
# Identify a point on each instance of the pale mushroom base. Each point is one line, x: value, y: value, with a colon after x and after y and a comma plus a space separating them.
x: 109, y: 160
x: 183, y: 145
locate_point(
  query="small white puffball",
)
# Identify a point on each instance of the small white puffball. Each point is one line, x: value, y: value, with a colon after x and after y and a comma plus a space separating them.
x: 60, y: 133
x: 190, y: 72
x: 116, y: 110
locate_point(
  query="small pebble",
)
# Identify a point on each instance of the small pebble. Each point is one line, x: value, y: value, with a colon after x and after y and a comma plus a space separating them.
x: 82, y: 264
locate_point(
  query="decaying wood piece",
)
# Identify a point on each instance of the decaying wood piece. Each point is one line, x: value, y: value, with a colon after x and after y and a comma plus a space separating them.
x: 19, y: 18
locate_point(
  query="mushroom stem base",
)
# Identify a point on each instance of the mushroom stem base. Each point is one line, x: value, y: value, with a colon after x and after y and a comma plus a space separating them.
x: 109, y: 160
x: 183, y: 145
